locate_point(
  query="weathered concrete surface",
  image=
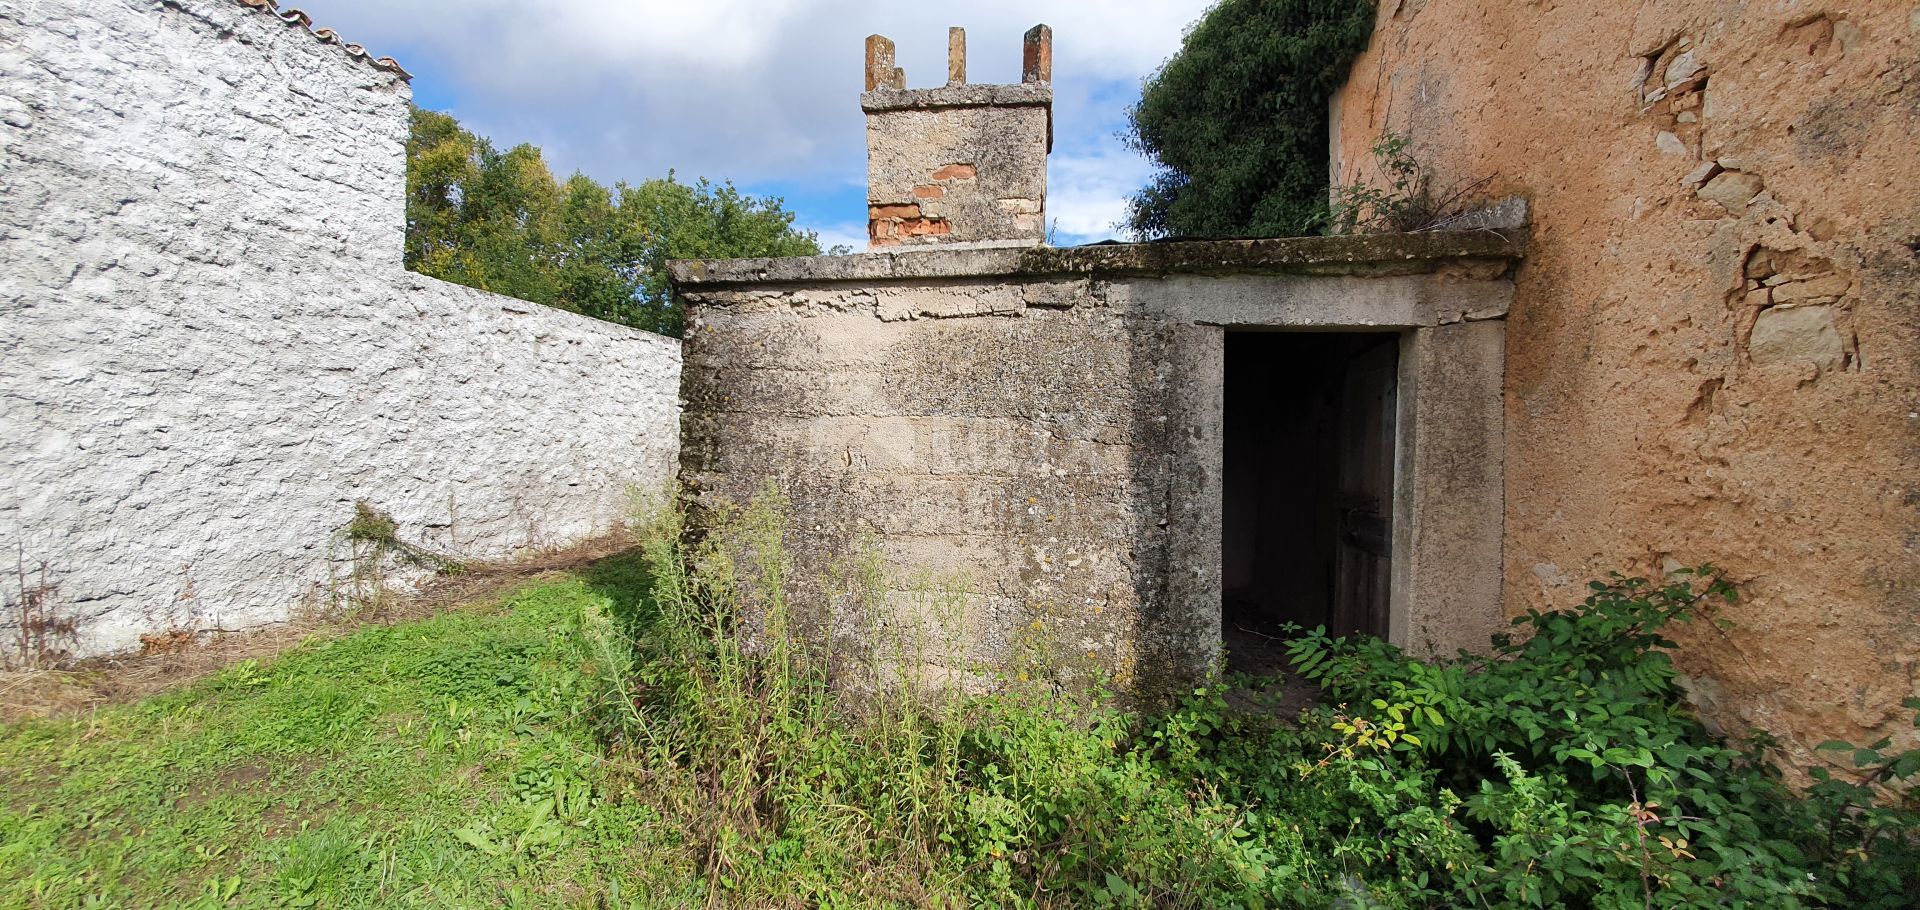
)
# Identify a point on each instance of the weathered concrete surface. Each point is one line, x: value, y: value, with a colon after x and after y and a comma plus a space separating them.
x: 211, y: 351
x: 1714, y: 348
x: 1466, y: 253
x: 1449, y: 514
x: 1045, y: 425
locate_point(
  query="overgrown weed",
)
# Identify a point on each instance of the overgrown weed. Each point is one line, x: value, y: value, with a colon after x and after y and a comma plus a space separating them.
x: 375, y: 553
x: 1562, y: 771
x: 1403, y: 199
x: 43, y: 630
x: 652, y: 731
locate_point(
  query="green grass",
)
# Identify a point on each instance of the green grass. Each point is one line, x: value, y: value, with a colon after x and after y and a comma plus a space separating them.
x: 608, y: 739
x: 440, y: 763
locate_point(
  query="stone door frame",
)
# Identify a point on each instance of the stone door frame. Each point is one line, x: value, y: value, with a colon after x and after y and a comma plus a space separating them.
x: 1449, y: 460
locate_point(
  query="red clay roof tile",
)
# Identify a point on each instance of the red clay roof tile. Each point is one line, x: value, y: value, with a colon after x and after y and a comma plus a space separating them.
x: 326, y: 35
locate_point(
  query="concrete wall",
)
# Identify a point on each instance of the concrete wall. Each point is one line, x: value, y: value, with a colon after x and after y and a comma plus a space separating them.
x: 1714, y: 347
x: 1044, y: 425
x: 211, y: 349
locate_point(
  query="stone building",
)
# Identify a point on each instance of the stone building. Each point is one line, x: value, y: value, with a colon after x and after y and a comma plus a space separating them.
x: 1703, y: 349
x: 1106, y: 442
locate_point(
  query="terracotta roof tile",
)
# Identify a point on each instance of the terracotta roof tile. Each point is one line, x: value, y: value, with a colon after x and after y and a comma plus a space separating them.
x: 325, y: 35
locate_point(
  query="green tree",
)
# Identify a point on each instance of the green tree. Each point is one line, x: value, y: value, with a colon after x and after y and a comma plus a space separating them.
x: 500, y: 221
x: 1237, y: 119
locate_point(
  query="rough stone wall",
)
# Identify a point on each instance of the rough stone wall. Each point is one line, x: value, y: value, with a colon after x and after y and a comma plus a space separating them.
x: 1714, y: 346
x: 211, y: 350
x: 957, y: 164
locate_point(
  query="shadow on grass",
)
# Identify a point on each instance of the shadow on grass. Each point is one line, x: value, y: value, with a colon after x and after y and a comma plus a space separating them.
x: 626, y: 581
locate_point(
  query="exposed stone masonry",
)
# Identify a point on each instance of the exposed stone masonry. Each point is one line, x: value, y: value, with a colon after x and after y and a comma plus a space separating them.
x: 1715, y: 340
x: 960, y: 163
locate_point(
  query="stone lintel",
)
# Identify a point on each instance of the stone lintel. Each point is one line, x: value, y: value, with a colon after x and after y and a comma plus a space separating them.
x: 1352, y: 254
x: 885, y: 98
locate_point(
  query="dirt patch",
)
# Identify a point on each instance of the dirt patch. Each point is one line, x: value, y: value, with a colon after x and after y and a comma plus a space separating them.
x: 1279, y: 691
x: 121, y: 678
x: 232, y: 780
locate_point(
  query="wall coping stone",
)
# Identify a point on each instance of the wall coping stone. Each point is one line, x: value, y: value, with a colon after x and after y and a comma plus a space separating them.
x: 1024, y: 94
x: 1356, y: 254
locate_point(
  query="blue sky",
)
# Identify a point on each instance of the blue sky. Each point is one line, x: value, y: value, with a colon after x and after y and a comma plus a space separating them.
x: 763, y: 92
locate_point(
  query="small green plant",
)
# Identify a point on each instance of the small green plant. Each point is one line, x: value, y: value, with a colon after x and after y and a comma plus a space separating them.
x: 1406, y: 201
x: 375, y: 549
x: 673, y: 729
x: 1869, y: 819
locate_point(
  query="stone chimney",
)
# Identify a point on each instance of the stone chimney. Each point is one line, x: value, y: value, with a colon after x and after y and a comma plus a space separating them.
x: 959, y: 164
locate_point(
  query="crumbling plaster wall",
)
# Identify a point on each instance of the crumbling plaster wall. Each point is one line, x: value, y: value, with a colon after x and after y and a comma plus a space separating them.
x: 211, y: 349
x: 1039, y: 431
x: 963, y: 163
x: 1714, y: 349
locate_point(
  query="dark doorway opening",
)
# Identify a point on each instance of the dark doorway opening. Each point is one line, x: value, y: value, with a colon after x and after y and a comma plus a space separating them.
x: 1308, y: 487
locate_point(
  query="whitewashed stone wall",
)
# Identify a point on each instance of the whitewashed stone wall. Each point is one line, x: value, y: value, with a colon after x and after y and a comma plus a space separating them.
x: 211, y: 351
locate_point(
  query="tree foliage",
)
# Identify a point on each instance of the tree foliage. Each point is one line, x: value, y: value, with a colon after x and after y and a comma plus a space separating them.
x: 500, y: 221
x: 1237, y: 119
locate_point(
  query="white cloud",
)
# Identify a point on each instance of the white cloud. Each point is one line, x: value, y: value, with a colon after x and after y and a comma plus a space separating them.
x: 852, y: 235
x: 757, y: 91
x: 1087, y: 194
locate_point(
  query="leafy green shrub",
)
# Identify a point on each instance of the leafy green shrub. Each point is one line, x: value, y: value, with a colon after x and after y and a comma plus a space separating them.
x: 1563, y: 770
x: 1584, y: 780
x: 1236, y: 121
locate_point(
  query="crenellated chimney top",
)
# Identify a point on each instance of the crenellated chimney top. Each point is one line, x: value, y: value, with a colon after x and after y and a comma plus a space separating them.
x: 959, y: 163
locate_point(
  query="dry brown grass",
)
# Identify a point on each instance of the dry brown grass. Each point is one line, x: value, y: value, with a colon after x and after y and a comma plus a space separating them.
x: 173, y: 659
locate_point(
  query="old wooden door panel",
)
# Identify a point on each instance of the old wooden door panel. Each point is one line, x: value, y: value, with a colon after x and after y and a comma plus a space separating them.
x: 1363, y: 550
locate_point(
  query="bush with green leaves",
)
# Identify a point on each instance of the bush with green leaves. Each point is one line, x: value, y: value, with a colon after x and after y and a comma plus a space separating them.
x: 1561, y: 770
x: 501, y: 221
x: 1572, y: 772
x: 1236, y: 121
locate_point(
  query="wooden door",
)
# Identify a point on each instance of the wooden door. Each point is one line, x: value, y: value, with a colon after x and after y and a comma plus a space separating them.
x: 1363, y: 500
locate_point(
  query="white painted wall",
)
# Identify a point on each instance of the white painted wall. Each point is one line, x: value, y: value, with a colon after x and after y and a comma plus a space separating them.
x: 210, y: 350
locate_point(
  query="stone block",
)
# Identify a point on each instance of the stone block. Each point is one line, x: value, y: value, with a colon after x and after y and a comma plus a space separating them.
x: 881, y: 71
x: 1824, y: 286
x: 1732, y: 190
x: 1036, y: 58
x: 956, y: 56
x: 1802, y: 334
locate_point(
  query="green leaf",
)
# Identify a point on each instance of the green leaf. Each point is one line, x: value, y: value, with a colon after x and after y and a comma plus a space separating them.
x: 475, y: 836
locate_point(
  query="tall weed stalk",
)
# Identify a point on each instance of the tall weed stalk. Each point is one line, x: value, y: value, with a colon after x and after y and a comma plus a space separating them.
x: 817, y: 742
